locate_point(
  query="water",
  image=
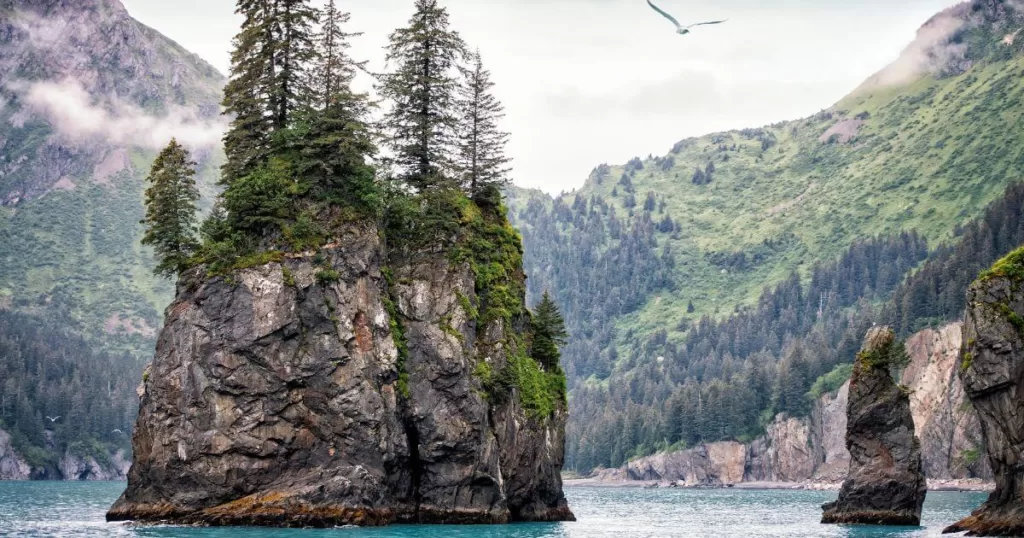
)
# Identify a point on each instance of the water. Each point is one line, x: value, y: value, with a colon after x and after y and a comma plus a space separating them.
x: 35, y: 509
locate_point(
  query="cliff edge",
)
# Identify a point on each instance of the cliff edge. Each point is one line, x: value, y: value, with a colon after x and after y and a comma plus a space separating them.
x: 992, y: 371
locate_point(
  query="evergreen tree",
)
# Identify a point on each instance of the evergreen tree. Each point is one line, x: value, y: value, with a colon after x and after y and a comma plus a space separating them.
x: 422, y: 90
x: 171, y: 209
x: 549, y: 333
x: 480, y: 159
x: 338, y: 140
x: 270, y: 79
x: 294, y: 51
x: 335, y: 69
x: 246, y: 96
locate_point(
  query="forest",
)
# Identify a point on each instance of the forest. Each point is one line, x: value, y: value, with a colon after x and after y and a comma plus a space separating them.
x: 658, y: 392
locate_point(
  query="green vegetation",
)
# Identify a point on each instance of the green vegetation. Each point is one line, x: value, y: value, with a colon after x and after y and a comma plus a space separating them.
x: 754, y: 261
x: 171, y: 210
x: 970, y: 456
x: 1011, y: 266
x: 830, y: 382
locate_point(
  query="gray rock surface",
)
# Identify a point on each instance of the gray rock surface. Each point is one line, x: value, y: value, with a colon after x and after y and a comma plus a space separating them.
x: 886, y: 484
x: 992, y: 371
x: 277, y: 398
x: 12, y: 465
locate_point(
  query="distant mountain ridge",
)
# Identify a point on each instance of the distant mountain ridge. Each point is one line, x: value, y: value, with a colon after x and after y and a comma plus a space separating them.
x: 89, y: 94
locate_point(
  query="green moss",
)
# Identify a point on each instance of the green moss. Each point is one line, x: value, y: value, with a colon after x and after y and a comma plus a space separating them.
x: 1011, y: 266
x: 327, y: 276
x: 967, y: 361
x: 970, y: 456
x: 467, y: 306
x: 289, y: 278
x: 145, y: 377
x: 541, y: 392
x: 446, y: 326
x: 397, y: 334
x: 1011, y: 316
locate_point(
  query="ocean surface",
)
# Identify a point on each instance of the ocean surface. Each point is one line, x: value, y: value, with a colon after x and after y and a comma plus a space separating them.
x: 57, y: 509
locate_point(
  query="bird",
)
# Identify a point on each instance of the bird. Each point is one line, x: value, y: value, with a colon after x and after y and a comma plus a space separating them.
x: 117, y: 431
x: 52, y: 419
x: 680, y: 29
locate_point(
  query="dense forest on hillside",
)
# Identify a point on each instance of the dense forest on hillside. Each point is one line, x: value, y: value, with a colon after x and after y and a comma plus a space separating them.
x: 48, y: 372
x: 655, y: 393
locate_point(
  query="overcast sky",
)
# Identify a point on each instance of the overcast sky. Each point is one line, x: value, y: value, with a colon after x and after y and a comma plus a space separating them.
x: 592, y: 81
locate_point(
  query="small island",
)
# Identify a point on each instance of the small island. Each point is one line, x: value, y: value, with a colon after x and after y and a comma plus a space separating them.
x: 349, y: 342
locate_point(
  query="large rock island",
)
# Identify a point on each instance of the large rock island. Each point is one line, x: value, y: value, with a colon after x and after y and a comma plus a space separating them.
x: 886, y: 483
x: 992, y: 371
x: 353, y: 385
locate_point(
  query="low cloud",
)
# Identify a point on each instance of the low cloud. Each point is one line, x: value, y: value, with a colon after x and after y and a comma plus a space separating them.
x: 79, y: 118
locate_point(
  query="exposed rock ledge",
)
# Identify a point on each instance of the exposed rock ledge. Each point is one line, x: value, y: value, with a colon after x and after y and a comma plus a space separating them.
x: 281, y: 398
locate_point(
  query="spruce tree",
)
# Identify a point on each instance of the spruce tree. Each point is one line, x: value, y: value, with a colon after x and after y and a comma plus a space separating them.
x: 246, y: 96
x: 338, y: 141
x: 549, y: 333
x: 270, y: 79
x: 171, y: 209
x: 422, y: 89
x: 294, y: 52
x: 480, y: 159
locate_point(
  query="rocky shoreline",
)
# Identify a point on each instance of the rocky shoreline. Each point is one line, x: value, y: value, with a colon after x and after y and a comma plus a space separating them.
x: 959, y: 485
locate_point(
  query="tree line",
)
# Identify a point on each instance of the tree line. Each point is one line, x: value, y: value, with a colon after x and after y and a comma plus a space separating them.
x: 634, y: 394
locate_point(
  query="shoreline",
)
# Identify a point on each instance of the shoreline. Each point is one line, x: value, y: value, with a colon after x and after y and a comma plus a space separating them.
x: 966, y: 485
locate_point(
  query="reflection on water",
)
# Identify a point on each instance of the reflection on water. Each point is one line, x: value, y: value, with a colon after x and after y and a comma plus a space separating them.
x: 56, y: 509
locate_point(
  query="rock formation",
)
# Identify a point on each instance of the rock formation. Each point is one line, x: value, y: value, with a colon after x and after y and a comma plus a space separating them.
x: 886, y: 484
x: 325, y: 389
x: 992, y: 371
x: 12, y: 465
x: 813, y: 448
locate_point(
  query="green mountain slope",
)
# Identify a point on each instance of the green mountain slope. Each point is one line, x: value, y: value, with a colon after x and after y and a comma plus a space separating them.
x: 647, y: 254
x: 90, y: 95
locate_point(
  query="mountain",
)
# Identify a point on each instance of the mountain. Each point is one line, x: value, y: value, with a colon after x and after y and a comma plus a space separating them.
x: 89, y: 95
x: 754, y: 260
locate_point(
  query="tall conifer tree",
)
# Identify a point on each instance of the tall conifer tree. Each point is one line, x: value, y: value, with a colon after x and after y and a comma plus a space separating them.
x: 422, y: 89
x: 480, y: 159
x: 171, y: 209
x: 549, y: 333
x: 338, y: 142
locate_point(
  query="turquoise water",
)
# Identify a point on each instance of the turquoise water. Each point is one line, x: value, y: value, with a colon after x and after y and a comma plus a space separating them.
x: 34, y: 509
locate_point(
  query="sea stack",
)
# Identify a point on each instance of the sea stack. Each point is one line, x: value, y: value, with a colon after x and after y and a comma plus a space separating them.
x: 992, y: 371
x: 350, y: 385
x: 886, y: 484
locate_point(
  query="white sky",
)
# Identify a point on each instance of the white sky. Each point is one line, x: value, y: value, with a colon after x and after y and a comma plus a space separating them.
x: 592, y: 81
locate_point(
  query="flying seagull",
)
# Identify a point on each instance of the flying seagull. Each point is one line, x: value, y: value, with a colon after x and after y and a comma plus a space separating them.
x: 117, y: 431
x: 52, y: 419
x: 680, y: 29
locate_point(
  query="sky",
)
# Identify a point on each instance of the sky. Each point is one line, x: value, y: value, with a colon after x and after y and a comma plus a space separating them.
x: 586, y: 82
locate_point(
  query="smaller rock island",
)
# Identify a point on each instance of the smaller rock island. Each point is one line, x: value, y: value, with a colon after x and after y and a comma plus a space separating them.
x: 886, y: 484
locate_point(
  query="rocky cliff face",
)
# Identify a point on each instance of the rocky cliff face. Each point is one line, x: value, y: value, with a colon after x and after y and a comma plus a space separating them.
x: 12, y: 465
x: 310, y: 392
x: 886, y: 484
x: 992, y: 371
x: 814, y: 448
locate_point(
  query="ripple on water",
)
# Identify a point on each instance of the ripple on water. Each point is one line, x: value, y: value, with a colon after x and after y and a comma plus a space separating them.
x: 76, y: 509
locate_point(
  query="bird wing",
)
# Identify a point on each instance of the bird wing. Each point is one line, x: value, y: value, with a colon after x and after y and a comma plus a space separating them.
x: 706, y: 23
x: 663, y: 14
